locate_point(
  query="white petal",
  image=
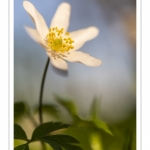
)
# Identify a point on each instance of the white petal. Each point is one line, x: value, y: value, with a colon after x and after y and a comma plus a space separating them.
x: 62, y: 16
x: 82, y: 36
x: 84, y: 58
x: 34, y: 34
x: 38, y: 19
x: 58, y: 62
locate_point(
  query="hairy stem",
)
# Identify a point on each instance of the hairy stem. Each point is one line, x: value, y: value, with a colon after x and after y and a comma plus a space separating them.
x: 41, y: 91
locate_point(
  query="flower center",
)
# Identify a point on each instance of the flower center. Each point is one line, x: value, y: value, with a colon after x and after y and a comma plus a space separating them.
x: 58, y: 41
x: 57, y: 44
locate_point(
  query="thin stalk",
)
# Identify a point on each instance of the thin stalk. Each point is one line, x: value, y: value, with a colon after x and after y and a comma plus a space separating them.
x: 41, y: 91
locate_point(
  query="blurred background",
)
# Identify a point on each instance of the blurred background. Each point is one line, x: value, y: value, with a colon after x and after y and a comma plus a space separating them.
x: 113, y: 83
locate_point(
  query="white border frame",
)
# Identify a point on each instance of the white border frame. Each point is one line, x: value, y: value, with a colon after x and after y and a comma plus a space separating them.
x: 4, y: 76
x: 145, y: 77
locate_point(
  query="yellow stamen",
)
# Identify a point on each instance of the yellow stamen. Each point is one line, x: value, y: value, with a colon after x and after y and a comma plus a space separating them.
x: 58, y: 42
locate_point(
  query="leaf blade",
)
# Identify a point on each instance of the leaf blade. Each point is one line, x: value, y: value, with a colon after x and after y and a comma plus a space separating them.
x: 94, y: 109
x: 19, y: 133
x: 22, y: 147
x: 49, y: 109
x: 64, y: 141
x: 19, y: 109
x: 68, y: 105
x: 102, y: 125
x: 53, y: 144
x: 70, y: 147
x: 61, y: 138
x: 47, y: 128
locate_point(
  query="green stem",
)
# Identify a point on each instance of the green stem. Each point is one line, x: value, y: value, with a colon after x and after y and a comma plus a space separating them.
x: 41, y: 91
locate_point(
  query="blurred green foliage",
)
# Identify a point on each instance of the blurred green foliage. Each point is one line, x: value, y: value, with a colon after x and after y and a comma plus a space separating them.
x: 20, y: 109
x: 43, y: 133
x: 92, y: 133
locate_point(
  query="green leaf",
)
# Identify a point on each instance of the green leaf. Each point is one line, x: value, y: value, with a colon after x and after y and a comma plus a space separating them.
x: 19, y: 109
x: 22, y: 147
x: 102, y: 125
x: 19, y: 133
x: 46, y: 128
x: 61, y: 138
x: 70, y: 147
x: 93, y: 110
x: 50, y: 109
x: 54, y: 145
x: 68, y: 105
x: 58, y: 141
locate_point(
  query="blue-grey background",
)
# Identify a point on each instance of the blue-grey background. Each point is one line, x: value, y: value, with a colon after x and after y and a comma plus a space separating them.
x: 114, y: 82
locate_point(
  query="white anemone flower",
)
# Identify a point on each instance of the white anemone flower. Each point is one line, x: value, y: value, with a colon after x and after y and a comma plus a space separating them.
x: 59, y: 44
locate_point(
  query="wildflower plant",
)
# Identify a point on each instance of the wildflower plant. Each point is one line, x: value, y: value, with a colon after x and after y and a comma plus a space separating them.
x: 60, y: 46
